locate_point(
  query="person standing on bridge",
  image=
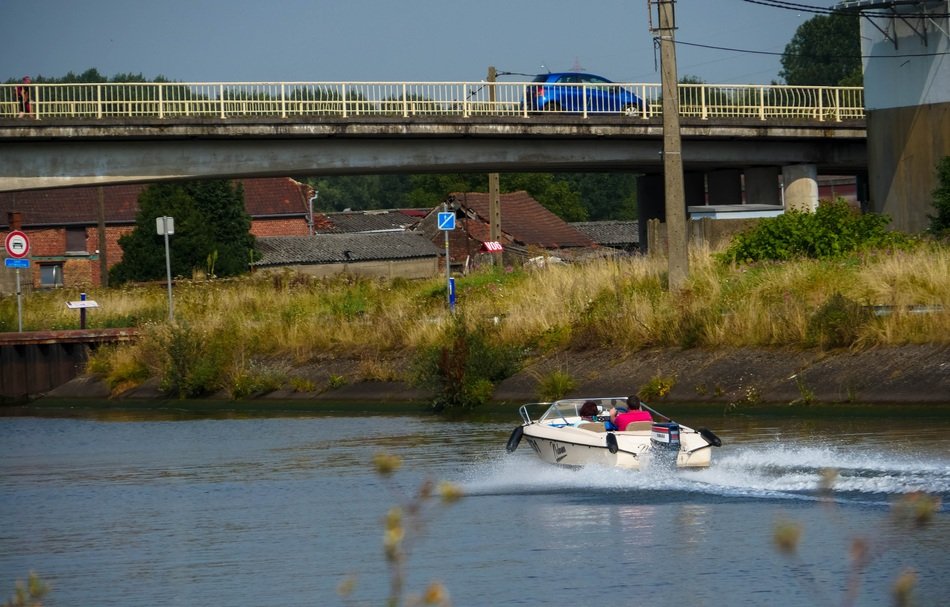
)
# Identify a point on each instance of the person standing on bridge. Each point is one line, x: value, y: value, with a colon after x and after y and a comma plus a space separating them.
x: 23, y: 98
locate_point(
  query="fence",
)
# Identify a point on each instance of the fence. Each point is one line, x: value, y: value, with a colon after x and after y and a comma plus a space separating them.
x: 411, y: 99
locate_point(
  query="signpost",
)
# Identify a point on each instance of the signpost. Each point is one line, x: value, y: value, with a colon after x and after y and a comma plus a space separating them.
x: 446, y: 223
x: 17, y: 245
x: 81, y: 305
x: 166, y: 227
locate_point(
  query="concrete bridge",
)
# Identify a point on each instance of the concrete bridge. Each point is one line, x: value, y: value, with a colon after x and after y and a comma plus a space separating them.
x: 121, y: 133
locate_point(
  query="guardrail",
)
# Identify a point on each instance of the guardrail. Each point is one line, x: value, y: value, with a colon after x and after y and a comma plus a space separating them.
x: 224, y: 100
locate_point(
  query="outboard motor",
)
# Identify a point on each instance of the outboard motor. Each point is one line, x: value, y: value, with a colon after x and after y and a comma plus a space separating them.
x: 665, y: 440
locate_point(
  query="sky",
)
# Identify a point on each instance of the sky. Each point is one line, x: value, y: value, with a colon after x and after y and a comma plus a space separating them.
x: 383, y: 40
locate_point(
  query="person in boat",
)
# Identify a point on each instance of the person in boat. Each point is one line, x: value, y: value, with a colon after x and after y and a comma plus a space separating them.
x: 615, y: 411
x: 589, y: 411
x: 633, y: 413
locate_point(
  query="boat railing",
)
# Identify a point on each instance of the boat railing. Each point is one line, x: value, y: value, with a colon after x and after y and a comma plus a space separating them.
x: 525, y: 413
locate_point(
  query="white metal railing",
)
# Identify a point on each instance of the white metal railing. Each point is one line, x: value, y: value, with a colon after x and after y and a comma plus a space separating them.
x: 411, y: 99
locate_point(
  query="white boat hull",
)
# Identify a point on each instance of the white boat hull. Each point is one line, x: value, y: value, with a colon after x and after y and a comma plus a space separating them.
x: 572, y: 432
x: 570, y: 446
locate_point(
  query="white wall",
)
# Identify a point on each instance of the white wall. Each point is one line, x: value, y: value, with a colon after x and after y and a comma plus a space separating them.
x: 895, y: 77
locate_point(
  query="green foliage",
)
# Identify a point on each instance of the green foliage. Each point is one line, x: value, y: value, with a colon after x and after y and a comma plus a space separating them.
x: 212, y: 231
x: 837, y: 323
x: 195, y: 362
x: 556, y: 384
x: 573, y: 197
x: 825, y: 51
x: 255, y: 378
x: 833, y: 230
x: 656, y: 388
x: 461, y: 370
x: 940, y: 223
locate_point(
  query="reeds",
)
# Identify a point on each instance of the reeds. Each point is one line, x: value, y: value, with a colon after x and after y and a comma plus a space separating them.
x: 277, y: 321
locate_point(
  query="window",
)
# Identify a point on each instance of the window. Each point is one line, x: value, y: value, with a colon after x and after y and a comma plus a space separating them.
x: 76, y: 240
x: 51, y: 275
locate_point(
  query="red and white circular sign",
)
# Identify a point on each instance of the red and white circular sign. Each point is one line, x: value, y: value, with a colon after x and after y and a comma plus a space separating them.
x: 17, y: 244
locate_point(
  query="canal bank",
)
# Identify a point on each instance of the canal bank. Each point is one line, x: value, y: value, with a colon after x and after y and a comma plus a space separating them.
x: 914, y: 374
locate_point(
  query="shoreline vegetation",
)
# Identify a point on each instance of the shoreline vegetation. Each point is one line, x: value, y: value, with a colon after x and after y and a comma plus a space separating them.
x: 869, y: 326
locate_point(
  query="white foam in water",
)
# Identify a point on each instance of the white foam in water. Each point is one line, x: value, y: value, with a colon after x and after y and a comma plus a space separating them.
x: 766, y: 472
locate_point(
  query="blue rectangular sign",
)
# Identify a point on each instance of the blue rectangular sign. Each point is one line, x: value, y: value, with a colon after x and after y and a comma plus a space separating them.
x: 17, y: 262
x: 446, y: 221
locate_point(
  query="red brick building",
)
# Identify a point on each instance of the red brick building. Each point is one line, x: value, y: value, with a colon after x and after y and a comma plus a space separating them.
x: 74, y: 232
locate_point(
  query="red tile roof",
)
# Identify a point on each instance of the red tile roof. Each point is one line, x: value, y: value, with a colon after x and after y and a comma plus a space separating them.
x: 270, y: 197
x: 524, y: 219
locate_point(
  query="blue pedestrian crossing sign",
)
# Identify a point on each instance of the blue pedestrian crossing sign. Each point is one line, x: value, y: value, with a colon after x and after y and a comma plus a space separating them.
x: 446, y: 221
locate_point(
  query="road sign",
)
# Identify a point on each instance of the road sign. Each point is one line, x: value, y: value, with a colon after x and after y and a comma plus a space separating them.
x: 17, y: 244
x: 14, y: 262
x: 85, y: 303
x: 446, y: 221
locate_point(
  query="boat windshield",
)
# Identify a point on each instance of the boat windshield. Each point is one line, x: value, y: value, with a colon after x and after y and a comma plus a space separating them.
x: 567, y: 411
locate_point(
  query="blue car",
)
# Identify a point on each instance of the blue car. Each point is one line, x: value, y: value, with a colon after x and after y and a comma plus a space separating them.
x: 570, y: 91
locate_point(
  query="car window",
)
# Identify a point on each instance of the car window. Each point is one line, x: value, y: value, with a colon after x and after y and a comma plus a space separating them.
x: 540, y: 78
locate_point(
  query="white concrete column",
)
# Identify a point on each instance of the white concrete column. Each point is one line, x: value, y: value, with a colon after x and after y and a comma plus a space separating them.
x: 762, y: 186
x: 801, y: 187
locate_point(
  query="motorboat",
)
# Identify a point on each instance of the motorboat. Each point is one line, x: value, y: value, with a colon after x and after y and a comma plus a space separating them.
x: 559, y: 434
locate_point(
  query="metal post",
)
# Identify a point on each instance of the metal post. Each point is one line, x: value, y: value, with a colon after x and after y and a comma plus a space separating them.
x: 448, y: 267
x: 168, y: 276
x: 82, y: 312
x: 19, y: 302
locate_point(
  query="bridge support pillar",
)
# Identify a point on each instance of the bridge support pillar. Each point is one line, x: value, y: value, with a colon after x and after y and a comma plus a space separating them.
x: 694, y: 185
x: 801, y: 187
x: 651, y: 204
x: 725, y: 186
x: 762, y: 186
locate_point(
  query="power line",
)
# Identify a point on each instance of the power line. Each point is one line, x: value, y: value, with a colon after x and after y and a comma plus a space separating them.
x: 856, y: 11
x: 806, y: 55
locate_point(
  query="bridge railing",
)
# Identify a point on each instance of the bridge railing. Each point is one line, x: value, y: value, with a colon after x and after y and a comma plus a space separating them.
x: 223, y: 100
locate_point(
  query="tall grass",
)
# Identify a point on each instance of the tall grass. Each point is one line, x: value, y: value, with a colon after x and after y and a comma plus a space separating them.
x: 256, y: 327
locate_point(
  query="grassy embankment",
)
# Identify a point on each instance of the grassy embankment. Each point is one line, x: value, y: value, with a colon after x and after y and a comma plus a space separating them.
x: 248, y: 335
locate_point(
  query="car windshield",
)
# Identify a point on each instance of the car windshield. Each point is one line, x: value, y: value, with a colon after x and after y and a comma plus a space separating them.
x: 540, y: 78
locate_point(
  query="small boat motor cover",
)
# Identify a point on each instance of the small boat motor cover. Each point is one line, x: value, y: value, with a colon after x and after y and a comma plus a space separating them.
x: 665, y: 435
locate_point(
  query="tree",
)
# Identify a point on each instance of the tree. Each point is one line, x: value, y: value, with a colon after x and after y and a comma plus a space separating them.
x: 825, y: 51
x: 212, y: 232
x: 940, y: 223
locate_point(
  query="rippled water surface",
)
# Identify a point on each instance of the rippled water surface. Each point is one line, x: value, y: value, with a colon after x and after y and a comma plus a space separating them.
x: 279, y: 511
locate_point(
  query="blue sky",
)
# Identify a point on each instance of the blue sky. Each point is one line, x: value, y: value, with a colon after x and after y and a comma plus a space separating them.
x: 383, y: 40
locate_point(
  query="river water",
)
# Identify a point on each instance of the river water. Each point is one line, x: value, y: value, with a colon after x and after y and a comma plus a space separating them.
x: 137, y: 511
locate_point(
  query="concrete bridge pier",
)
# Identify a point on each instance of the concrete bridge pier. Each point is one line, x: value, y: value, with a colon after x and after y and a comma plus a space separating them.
x: 801, y: 187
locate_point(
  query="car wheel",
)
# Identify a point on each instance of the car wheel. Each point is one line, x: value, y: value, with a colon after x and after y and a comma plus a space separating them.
x: 631, y: 110
x: 552, y: 107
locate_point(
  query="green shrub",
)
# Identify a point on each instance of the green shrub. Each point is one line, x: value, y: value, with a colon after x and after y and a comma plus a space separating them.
x: 833, y: 230
x: 837, y: 323
x: 555, y: 385
x: 940, y: 223
x: 462, y: 369
x: 656, y: 388
x: 194, y: 361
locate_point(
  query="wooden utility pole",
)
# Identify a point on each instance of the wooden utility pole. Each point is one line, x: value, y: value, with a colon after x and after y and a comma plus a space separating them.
x: 494, y: 193
x: 678, y: 254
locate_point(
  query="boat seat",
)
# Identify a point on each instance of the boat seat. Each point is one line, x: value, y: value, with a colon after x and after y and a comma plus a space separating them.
x: 638, y: 426
x: 593, y: 426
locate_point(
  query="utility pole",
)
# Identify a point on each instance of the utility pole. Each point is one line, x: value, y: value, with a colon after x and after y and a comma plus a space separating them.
x: 678, y: 254
x: 494, y: 193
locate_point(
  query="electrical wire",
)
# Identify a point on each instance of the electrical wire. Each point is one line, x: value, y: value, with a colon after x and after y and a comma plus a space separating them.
x: 752, y: 52
x: 820, y: 10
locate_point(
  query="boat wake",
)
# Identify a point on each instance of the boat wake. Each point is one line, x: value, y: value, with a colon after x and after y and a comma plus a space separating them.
x: 748, y: 472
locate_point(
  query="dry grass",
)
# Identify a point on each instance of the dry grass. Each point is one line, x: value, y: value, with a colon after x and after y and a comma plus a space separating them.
x: 619, y: 303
